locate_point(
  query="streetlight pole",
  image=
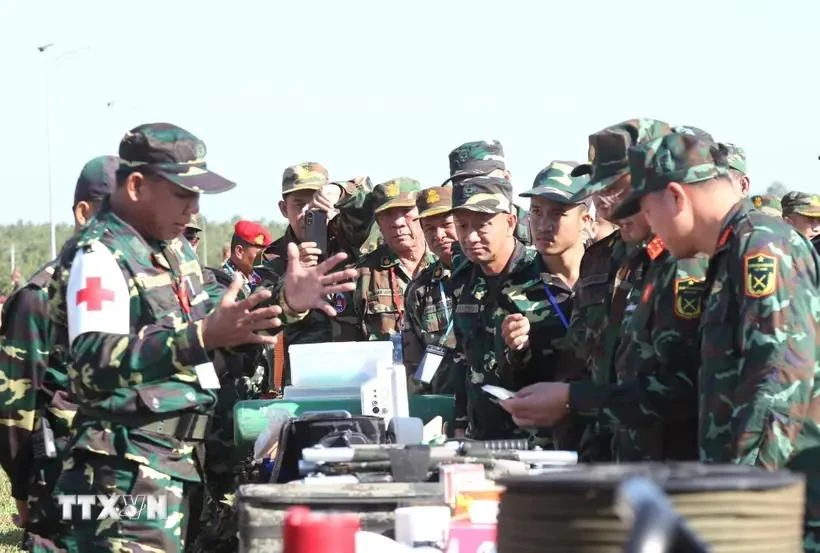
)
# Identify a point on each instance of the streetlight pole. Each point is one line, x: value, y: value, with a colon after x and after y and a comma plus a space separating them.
x: 52, y: 223
x: 48, y: 158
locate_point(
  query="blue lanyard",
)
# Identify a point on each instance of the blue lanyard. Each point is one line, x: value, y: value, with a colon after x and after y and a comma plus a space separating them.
x: 555, y: 306
x: 449, y: 328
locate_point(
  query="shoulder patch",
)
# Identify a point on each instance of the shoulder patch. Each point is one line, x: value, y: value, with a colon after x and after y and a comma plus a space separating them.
x: 97, y: 298
x: 689, y: 297
x: 759, y: 275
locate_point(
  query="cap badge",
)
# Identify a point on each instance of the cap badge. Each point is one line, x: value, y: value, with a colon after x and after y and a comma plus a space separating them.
x: 391, y: 189
x: 432, y: 196
x: 259, y: 240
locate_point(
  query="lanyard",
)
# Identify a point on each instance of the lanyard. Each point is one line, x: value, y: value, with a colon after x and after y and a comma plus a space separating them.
x: 555, y: 306
x: 449, y: 328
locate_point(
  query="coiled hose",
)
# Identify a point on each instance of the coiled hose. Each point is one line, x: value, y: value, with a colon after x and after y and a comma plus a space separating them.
x: 733, y: 509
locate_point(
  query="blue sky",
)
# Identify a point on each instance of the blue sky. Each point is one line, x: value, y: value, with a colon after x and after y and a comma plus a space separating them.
x: 388, y: 89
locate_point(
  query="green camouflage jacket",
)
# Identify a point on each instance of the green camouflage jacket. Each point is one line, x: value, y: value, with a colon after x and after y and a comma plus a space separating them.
x: 545, y: 359
x: 376, y: 308
x: 652, y: 404
x: 759, y: 389
x: 34, y: 382
x: 482, y: 303
x: 131, y: 312
x: 595, y: 327
x: 348, y: 232
x: 428, y: 304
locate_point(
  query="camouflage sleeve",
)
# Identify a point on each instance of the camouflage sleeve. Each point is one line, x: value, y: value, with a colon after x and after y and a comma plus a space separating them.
x: 412, y: 337
x: 778, y: 337
x: 151, y: 353
x: 351, y: 228
x: 23, y: 362
x: 460, y: 370
x: 662, y: 354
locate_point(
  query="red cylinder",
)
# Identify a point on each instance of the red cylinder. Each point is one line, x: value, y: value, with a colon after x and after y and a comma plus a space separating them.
x: 306, y: 531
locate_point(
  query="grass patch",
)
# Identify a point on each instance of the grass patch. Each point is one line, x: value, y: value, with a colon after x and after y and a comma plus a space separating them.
x: 9, y: 534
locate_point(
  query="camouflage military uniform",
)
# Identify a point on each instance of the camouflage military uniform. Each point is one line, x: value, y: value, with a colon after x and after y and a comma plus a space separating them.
x: 762, y: 286
x: 376, y: 308
x: 482, y: 303
x: 429, y: 306
x: 759, y: 385
x: 35, y: 402
x: 347, y: 232
x: 38, y: 412
x: 605, y: 281
x: 651, y: 407
x: 131, y: 310
x: 486, y: 158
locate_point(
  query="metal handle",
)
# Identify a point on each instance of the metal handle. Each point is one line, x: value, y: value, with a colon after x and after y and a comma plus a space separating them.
x: 656, y: 526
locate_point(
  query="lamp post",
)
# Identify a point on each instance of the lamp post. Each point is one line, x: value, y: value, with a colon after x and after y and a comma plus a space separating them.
x: 42, y: 49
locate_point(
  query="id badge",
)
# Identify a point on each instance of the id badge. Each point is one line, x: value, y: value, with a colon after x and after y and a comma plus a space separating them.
x: 206, y: 374
x: 433, y: 356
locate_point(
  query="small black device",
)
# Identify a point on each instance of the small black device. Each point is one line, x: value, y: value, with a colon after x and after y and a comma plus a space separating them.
x: 316, y: 229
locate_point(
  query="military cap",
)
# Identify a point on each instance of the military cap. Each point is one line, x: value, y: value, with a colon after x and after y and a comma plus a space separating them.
x: 397, y: 192
x: 768, y: 204
x: 97, y: 179
x: 195, y: 222
x: 252, y: 233
x: 172, y: 153
x: 676, y: 157
x: 304, y: 176
x: 483, y: 195
x: 801, y: 203
x: 689, y: 129
x: 556, y: 183
x: 435, y: 201
x: 475, y: 159
x: 736, y: 156
x: 608, y: 157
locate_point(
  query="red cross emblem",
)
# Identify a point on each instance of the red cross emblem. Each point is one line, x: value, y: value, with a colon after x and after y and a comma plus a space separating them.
x: 94, y: 294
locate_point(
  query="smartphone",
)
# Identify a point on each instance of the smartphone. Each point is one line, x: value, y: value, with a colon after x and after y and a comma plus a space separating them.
x: 497, y: 392
x: 316, y: 229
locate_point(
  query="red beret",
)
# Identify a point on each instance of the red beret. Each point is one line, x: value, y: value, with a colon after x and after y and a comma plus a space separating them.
x: 252, y: 233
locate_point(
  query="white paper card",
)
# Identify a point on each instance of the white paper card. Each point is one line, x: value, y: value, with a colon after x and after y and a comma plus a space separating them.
x: 206, y: 374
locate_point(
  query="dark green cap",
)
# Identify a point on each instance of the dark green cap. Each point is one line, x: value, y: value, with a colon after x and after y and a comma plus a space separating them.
x: 435, y: 201
x: 174, y: 154
x: 398, y: 192
x: 608, y: 151
x: 736, y: 157
x: 676, y: 157
x: 556, y: 183
x: 483, y: 195
x: 97, y: 179
x: 801, y: 203
x: 304, y: 176
x: 475, y: 159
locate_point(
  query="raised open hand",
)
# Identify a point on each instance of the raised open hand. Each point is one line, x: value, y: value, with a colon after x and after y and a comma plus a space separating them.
x: 308, y: 287
x: 234, y: 323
